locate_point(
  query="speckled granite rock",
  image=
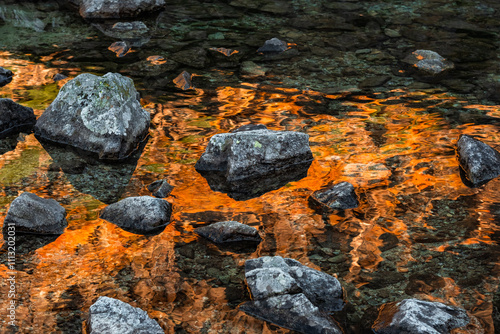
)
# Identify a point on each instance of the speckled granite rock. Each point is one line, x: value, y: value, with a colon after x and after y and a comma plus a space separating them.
x: 479, y: 162
x: 112, y: 316
x: 15, y: 117
x: 419, y: 317
x: 292, y: 295
x: 141, y: 215
x: 96, y: 114
x: 338, y: 197
x: 35, y: 215
x: 229, y: 231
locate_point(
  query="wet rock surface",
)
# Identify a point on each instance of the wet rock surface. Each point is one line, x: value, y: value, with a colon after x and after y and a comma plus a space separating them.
x: 112, y: 316
x: 239, y: 162
x: 5, y: 76
x: 114, y: 9
x: 287, y: 293
x: 429, y: 62
x: 140, y: 215
x: 479, y: 162
x: 15, y: 117
x: 229, y: 232
x: 160, y: 188
x: 183, y: 81
x: 273, y: 46
x: 341, y: 196
x: 35, y: 215
x: 419, y: 317
x: 96, y: 114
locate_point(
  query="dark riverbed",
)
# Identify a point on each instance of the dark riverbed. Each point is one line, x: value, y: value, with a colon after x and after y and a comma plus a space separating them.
x: 419, y: 232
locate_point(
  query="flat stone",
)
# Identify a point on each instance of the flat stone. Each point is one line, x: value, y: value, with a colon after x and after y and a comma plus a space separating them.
x: 112, y: 316
x: 35, y: 215
x: 478, y: 161
x: 229, y: 231
x: 419, y: 317
x: 140, y: 215
x: 338, y: 197
x: 429, y: 62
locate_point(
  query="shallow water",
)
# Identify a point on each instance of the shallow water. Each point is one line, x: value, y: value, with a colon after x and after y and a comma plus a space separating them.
x: 419, y: 231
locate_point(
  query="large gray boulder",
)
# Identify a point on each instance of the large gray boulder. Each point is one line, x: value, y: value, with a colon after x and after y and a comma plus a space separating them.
x: 96, y: 114
x: 141, y: 215
x: 29, y: 213
x: 112, y: 316
x: 254, y: 160
x: 478, y: 161
x: 115, y: 9
x: 419, y: 317
x: 15, y: 117
x: 292, y: 295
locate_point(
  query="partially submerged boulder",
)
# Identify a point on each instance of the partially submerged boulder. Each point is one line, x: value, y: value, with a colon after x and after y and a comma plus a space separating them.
x: 292, y: 295
x: 115, y: 9
x: 419, y: 317
x: 160, y: 188
x: 479, y: 162
x: 229, y: 232
x: 15, y: 118
x: 101, y: 115
x: 341, y: 196
x: 5, y: 76
x: 31, y: 214
x: 140, y: 215
x: 250, y: 162
x: 112, y: 316
x: 273, y: 46
x: 428, y: 64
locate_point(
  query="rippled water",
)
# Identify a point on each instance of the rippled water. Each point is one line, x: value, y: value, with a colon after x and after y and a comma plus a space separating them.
x: 419, y: 231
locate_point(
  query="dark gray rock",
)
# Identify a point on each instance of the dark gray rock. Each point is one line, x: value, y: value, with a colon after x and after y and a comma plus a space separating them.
x: 246, y: 164
x: 114, y: 9
x: 292, y: 295
x: 428, y: 62
x: 338, y: 197
x: 249, y: 127
x: 140, y: 215
x: 15, y: 118
x: 183, y: 81
x: 96, y: 114
x: 160, y: 188
x: 134, y: 33
x: 120, y: 48
x: 273, y: 46
x: 35, y: 215
x: 229, y: 231
x: 5, y: 76
x: 478, y: 161
x: 419, y: 317
x: 112, y: 316
x: 59, y: 77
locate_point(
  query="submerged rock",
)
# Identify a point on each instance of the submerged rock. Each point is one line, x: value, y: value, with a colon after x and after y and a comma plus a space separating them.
x: 419, y: 317
x: 112, y: 316
x: 292, y: 295
x: 5, y: 76
x: 35, y: 215
x: 228, y: 232
x: 96, y: 114
x: 183, y: 81
x: 247, y: 164
x: 59, y: 77
x: 115, y: 9
x: 428, y: 63
x: 273, y: 46
x: 140, y: 215
x: 338, y: 197
x: 15, y: 117
x: 134, y: 33
x: 120, y: 48
x: 478, y: 161
x: 160, y: 188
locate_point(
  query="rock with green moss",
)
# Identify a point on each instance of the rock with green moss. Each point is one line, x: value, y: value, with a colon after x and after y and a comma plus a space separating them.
x: 96, y: 114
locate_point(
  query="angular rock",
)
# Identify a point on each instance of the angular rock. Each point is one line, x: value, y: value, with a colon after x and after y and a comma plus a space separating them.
x: 273, y: 46
x: 112, y: 316
x: 247, y: 164
x: 479, y: 162
x: 419, y: 317
x: 428, y: 62
x: 15, y: 117
x: 121, y: 48
x: 96, y: 114
x: 160, y: 188
x: 140, y: 215
x: 292, y: 295
x: 5, y: 76
x: 183, y: 81
x: 35, y: 215
x: 338, y: 197
x: 229, y: 231
x: 115, y: 9
x: 59, y: 77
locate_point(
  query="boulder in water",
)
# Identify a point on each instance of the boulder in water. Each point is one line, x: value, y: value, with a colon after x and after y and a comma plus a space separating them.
x: 479, y: 162
x: 338, y: 197
x: 15, y: 118
x: 5, y: 76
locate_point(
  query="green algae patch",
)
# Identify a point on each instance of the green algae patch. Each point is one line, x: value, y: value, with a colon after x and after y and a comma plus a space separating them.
x: 27, y: 165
